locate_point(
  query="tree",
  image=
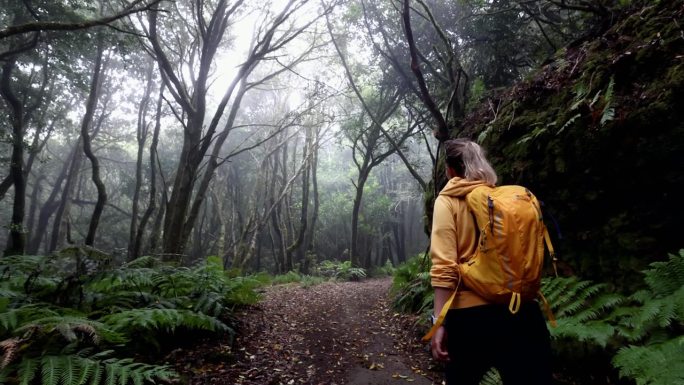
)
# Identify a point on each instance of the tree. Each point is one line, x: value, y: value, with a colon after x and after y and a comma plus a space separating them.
x: 371, y: 142
x: 203, y: 38
x: 91, y: 105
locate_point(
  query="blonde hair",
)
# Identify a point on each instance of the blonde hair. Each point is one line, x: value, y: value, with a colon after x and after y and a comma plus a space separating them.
x: 468, y: 159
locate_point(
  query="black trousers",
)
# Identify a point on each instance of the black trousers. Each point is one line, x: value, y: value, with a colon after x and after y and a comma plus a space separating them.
x: 482, y: 337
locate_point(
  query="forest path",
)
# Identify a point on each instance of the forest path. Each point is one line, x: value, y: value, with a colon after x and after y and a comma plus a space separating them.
x: 341, y: 333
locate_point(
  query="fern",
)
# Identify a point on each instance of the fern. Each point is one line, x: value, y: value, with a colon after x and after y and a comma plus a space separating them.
x: 144, y: 261
x: 52, y: 369
x: 608, y: 113
x: 27, y: 370
x: 57, y: 312
x: 661, y: 306
x: 653, y: 364
x: 341, y: 270
x: 568, y: 123
x: 579, y: 307
x: 411, y: 288
x: 11, y: 318
x: 22, y: 264
x: 95, y: 370
x: 665, y: 278
x: 492, y: 377
x: 68, y: 326
x: 162, y: 320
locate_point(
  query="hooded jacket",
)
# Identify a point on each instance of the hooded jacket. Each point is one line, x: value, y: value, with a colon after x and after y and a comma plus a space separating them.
x: 454, y: 239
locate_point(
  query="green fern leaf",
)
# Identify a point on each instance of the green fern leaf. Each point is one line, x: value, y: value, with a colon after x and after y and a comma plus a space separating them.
x: 96, y: 377
x: 71, y: 369
x: 144, y: 261
x: 646, y: 364
x: 492, y: 377
x: 28, y: 368
x: 4, y: 374
x: 8, y: 320
x: 162, y: 319
x: 86, y: 370
x: 664, y: 278
x: 137, y: 377
x: 66, y: 325
x: 51, y: 370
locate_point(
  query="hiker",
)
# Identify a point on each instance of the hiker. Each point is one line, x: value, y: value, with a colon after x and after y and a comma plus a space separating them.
x: 478, y: 334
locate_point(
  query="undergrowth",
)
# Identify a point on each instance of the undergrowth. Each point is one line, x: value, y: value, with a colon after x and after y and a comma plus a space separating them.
x: 71, y: 318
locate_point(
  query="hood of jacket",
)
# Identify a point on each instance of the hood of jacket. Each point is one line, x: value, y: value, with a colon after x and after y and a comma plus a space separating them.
x: 459, y: 187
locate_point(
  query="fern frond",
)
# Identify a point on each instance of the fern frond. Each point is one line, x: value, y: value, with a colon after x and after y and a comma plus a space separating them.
x: 76, y: 370
x: 87, y: 370
x: 8, y: 293
x: 68, y: 325
x: 123, y: 371
x: 163, y: 320
x: 664, y: 278
x: 646, y: 364
x: 124, y: 279
x: 492, y: 377
x: 10, y: 319
x: 28, y: 369
x: 567, y: 124
x: 597, y: 332
x: 569, y: 294
x: 608, y: 113
x: 174, y: 284
x: 52, y: 368
x: 144, y: 261
x: 22, y: 264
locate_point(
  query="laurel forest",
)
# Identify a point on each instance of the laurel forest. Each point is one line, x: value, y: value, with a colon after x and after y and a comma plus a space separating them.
x: 172, y: 171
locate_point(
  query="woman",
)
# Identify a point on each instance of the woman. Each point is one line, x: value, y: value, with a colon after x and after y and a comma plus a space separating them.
x: 477, y: 335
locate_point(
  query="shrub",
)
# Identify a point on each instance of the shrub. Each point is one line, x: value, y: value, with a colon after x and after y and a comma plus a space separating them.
x: 341, y: 270
x: 411, y: 288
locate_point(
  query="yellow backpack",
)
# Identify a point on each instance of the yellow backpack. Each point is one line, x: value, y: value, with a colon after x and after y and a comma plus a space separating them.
x: 507, y: 265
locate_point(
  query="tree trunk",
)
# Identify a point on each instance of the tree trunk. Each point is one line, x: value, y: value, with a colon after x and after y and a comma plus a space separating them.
x: 152, y: 204
x: 299, y: 245
x: 87, y: 149
x: 398, y: 235
x: 354, y: 249
x: 141, y: 136
x: 275, y: 220
x: 35, y: 192
x: 16, y: 242
x: 309, y: 238
x: 155, y: 234
x: 40, y: 231
x: 65, y: 202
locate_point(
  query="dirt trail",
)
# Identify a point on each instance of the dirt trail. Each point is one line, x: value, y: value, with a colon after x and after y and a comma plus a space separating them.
x: 332, y: 333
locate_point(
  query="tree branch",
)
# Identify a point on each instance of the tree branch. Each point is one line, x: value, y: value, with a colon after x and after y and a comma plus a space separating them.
x: 442, y: 131
x: 39, y: 26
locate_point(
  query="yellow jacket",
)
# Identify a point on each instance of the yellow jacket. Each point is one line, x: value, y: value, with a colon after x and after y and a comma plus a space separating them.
x: 454, y: 239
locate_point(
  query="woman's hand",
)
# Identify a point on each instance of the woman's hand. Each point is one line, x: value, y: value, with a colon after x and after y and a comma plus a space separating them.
x: 438, y: 345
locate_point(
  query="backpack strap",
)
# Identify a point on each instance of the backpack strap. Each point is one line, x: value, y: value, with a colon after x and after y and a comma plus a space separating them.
x: 548, y: 311
x: 552, y: 253
x: 443, y: 312
x: 515, y: 303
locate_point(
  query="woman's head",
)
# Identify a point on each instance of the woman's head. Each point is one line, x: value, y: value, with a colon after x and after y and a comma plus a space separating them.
x: 467, y: 159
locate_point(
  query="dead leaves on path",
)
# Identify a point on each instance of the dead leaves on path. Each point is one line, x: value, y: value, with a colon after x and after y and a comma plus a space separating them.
x: 313, y: 335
